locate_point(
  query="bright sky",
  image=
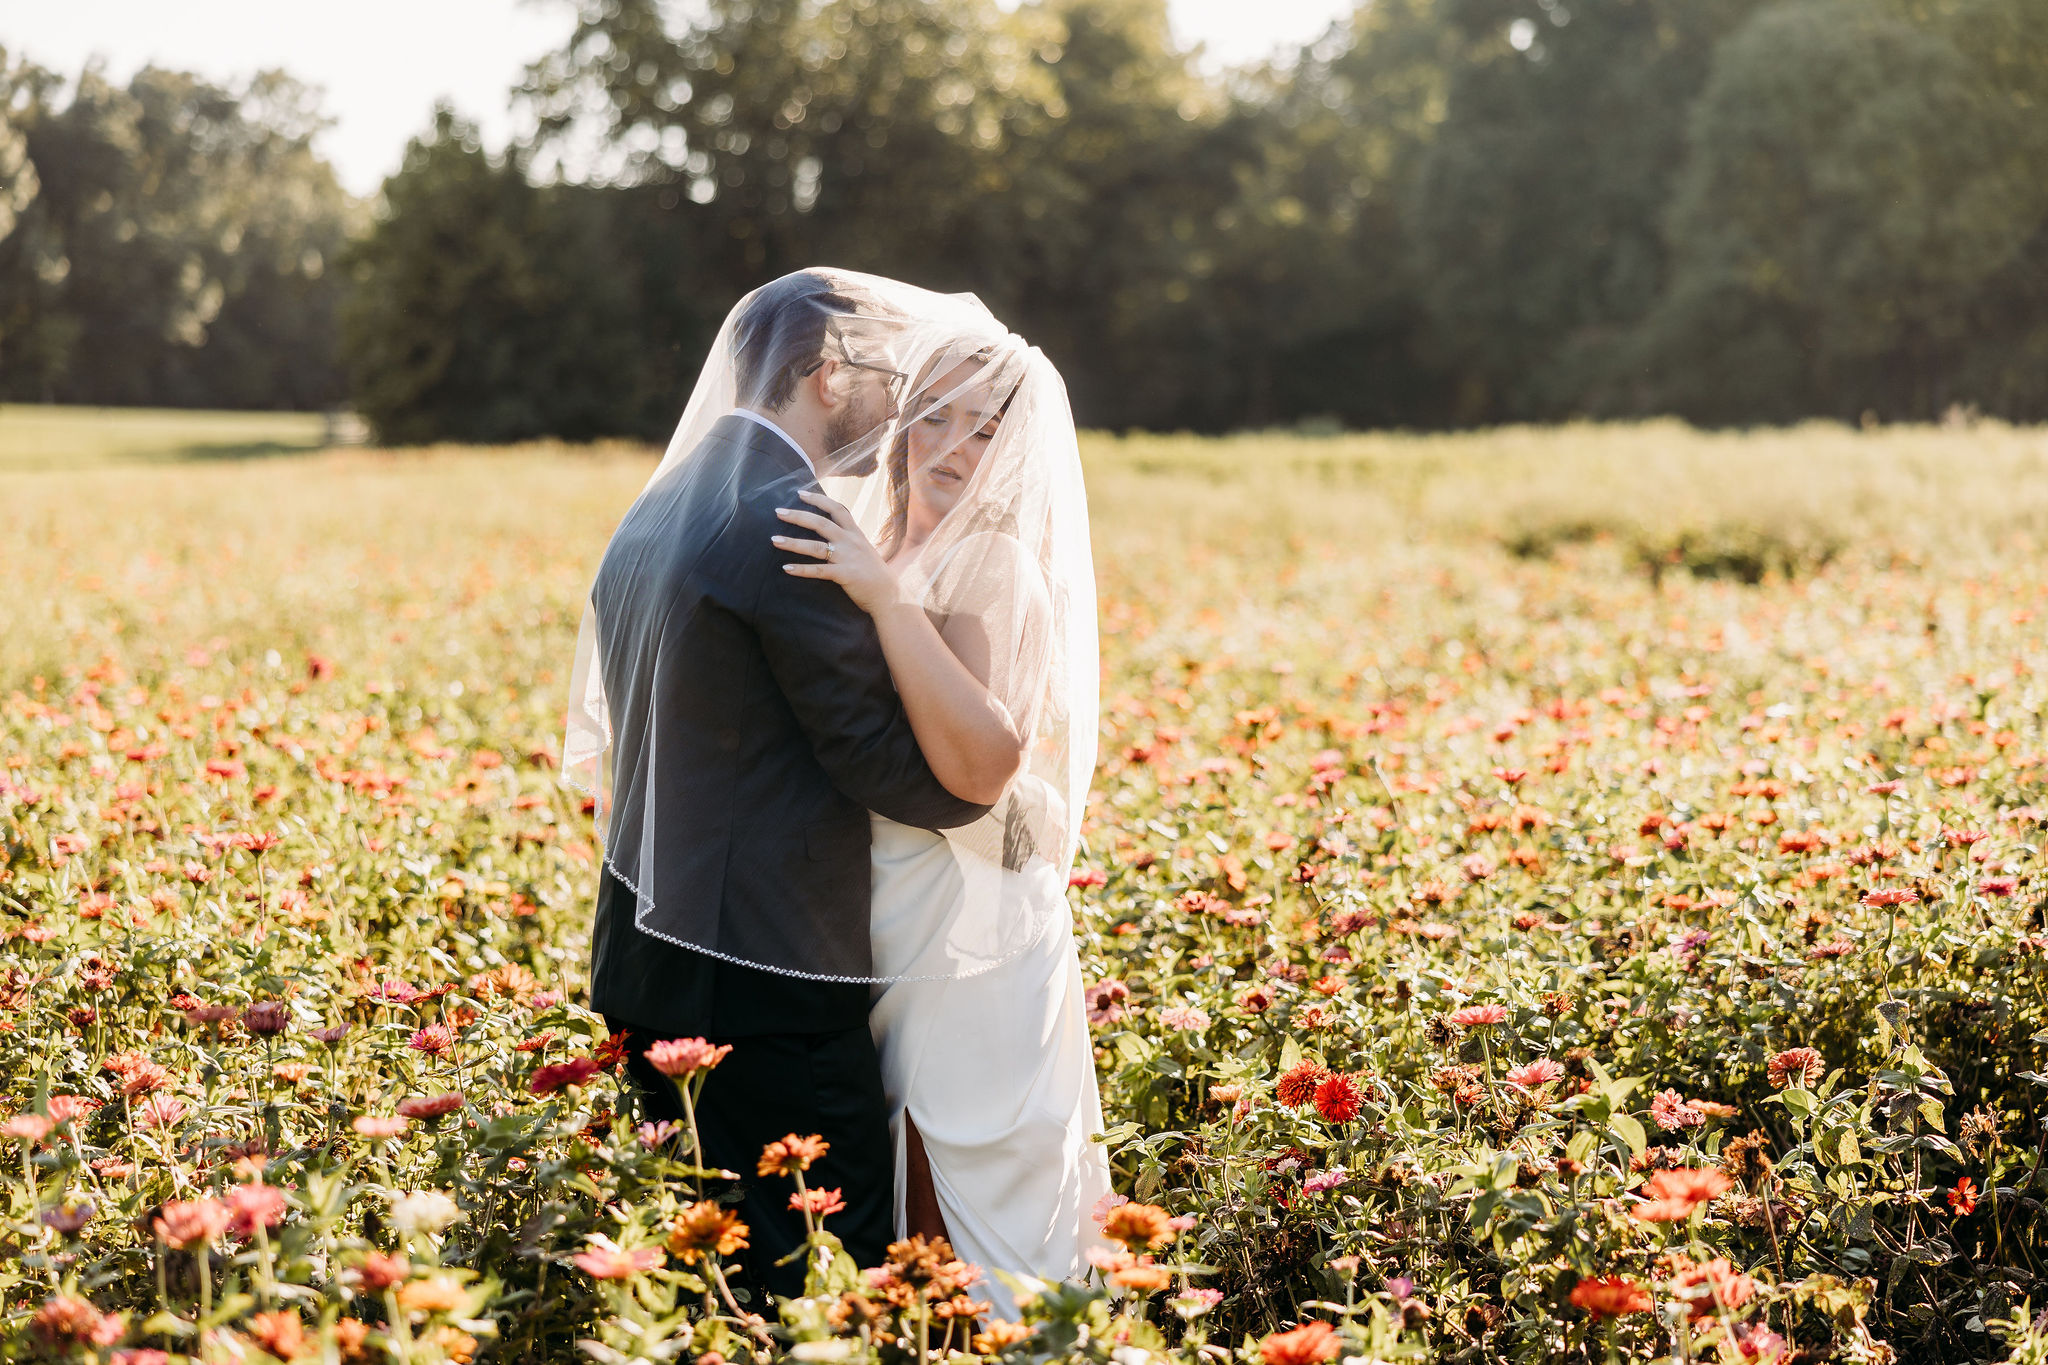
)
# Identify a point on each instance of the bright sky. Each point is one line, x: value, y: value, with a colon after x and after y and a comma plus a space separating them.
x: 384, y: 62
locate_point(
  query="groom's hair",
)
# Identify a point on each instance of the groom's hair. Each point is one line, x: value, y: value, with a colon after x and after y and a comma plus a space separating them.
x: 784, y: 331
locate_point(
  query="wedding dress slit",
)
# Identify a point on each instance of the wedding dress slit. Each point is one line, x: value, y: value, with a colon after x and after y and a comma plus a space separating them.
x: 995, y: 1071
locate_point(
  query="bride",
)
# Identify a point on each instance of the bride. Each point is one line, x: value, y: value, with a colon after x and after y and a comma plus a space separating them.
x: 971, y: 554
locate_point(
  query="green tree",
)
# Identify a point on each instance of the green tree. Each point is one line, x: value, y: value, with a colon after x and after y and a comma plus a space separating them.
x: 1856, y: 186
x: 487, y: 308
x: 175, y: 250
x: 1537, y: 218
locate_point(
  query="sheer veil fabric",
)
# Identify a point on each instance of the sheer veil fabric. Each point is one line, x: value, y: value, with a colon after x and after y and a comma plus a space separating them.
x: 1011, y: 557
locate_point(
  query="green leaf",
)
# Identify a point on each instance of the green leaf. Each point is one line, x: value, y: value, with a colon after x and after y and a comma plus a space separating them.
x: 1624, y: 1126
x: 1290, y: 1055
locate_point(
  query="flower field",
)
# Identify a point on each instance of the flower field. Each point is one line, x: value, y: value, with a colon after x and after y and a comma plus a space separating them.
x: 1550, y: 896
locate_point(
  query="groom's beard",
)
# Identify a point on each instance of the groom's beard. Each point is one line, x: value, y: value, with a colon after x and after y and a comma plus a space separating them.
x: 854, y: 426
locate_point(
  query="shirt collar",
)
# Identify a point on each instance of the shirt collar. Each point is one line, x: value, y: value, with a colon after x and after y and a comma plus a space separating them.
x: 753, y: 416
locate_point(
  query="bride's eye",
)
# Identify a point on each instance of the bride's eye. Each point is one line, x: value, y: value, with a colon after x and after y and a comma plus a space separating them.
x: 934, y: 418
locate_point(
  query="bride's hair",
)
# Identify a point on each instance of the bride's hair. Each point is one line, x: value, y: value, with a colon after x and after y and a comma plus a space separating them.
x: 897, y: 462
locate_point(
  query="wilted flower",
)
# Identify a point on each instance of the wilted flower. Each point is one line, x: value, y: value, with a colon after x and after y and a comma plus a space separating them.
x: 68, y: 1219
x: 267, y: 1019
x: 1745, y: 1160
x: 1801, y: 1066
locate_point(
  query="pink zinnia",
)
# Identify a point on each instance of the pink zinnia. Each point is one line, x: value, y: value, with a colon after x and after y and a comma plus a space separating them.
x: 430, y: 1106
x: 1191, y: 1018
x: 1542, y: 1071
x: 1670, y: 1112
x: 605, y: 1261
x: 1480, y: 1016
x: 376, y: 1126
x: 436, y: 1040
x: 681, y: 1056
x: 159, y: 1111
x: 255, y: 1206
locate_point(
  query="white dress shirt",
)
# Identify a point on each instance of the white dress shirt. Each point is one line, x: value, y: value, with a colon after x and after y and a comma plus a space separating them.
x: 753, y: 416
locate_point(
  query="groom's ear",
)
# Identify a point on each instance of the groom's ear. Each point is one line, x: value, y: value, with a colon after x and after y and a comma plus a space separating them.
x: 824, y: 384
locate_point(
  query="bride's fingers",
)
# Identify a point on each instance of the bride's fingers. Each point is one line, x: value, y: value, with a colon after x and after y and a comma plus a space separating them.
x: 834, y: 510
x: 816, y: 549
x: 810, y: 521
x: 829, y: 571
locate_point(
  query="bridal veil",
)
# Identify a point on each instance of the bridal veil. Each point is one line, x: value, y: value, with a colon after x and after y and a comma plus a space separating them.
x: 1012, y: 553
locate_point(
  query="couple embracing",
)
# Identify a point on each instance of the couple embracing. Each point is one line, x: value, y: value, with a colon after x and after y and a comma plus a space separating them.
x: 836, y: 695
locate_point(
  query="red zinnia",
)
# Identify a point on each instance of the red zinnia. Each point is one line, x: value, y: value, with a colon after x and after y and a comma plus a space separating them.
x: 1338, y: 1098
x: 1962, y: 1200
x: 436, y: 1040
x: 1298, y: 1087
x: 559, y: 1075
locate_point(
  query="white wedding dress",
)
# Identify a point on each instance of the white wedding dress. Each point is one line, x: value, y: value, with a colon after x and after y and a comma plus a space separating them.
x: 996, y: 1069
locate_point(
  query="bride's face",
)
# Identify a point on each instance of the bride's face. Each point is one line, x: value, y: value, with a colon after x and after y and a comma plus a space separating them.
x: 947, y: 443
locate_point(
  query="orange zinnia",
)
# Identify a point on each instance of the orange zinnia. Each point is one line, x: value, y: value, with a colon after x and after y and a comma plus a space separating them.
x: 1312, y: 1343
x: 1673, y: 1195
x: 1612, y: 1296
x: 704, y: 1228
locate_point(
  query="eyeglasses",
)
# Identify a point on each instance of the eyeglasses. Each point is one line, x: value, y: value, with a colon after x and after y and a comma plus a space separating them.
x: 897, y: 380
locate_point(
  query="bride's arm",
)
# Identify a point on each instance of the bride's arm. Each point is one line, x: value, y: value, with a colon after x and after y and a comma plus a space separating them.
x: 967, y: 735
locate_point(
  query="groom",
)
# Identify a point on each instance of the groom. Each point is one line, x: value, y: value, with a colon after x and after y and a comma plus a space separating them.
x: 780, y: 731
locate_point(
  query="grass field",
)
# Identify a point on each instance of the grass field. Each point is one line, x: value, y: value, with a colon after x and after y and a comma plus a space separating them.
x: 1549, y: 895
x: 59, y: 439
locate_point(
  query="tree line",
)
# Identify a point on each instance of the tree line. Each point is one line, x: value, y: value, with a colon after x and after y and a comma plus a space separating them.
x: 1444, y: 212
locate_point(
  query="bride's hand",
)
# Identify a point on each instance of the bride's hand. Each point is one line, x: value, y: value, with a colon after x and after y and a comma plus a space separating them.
x: 845, y: 556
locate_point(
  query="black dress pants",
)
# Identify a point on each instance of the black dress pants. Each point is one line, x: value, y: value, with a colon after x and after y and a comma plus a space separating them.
x: 772, y: 1085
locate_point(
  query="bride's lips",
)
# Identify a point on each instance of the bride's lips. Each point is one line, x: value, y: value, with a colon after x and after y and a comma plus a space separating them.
x: 939, y: 471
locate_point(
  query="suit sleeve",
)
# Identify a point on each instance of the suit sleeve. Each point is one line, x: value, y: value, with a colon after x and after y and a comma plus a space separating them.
x: 828, y: 661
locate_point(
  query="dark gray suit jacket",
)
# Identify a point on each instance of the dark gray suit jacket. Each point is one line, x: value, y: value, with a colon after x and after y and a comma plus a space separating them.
x: 779, y: 730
